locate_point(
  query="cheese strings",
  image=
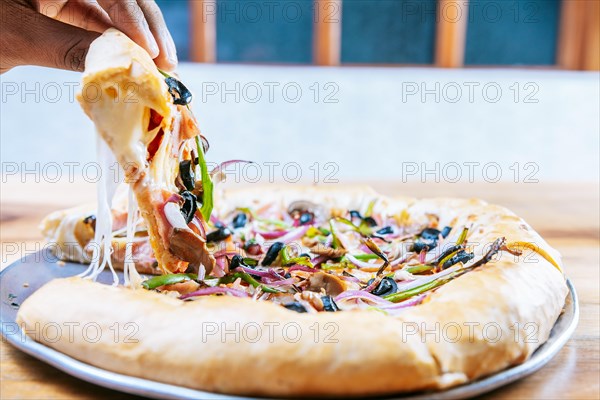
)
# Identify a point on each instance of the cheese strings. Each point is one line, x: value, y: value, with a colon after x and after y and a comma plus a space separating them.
x: 106, y: 188
x: 130, y: 275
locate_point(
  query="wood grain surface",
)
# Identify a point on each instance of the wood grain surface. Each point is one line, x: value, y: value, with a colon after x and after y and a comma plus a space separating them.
x: 567, y: 215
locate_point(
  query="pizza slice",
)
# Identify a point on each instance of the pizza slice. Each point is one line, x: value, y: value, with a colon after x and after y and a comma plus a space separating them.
x: 143, y: 116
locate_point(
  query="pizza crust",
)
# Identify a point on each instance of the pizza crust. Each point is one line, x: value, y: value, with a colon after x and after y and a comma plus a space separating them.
x: 493, y: 308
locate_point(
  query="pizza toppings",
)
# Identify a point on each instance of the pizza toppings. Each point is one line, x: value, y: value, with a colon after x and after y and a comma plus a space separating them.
x: 170, y: 279
x: 190, y: 247
x: 220, y: 234
x: 240, y: 220
x: 328, y: 283
x: 329, y: 304
x: 330, y: 264
x: 181, y: 94
x: 386, y: 286
x: 295, y: 306
x: 187, y: 175
x: 298, y: 253
x: 272, y: 253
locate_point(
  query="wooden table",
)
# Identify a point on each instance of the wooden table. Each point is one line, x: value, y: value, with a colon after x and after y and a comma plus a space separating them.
x: 567, y: 215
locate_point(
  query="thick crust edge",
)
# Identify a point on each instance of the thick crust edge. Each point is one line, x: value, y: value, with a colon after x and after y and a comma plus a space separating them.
x: 478, y: 324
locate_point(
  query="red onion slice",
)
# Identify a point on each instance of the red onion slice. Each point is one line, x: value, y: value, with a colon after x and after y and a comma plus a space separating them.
x: 319, y: 260
x: 404, y: 304
x: 174, y: 216
x: 214, y: 290
x: 361, y: 264
x: 271, y: 274
x: 294, y: 235
x: 361, y: 294
x: 304, y: 268
x: 219, y: 168
x: 284, y: 282
x: 428, y: 278
x: 349, y: 278
x: 225, y: 253
x: 272, y: 234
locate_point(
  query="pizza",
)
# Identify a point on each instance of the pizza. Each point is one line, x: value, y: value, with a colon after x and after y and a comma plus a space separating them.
x: 284, y: 291
x: 145, y: 120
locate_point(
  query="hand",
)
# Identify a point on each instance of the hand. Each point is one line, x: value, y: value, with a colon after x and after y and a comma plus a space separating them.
x: 58, y: 33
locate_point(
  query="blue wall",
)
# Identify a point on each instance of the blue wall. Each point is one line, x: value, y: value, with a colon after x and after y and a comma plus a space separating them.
x: 500, y: 32
x: 512, y: 32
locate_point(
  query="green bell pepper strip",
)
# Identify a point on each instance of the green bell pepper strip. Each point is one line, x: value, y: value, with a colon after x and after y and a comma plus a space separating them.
x: 312, y: 232
x: 365, y: 257
x: 249, y: 280
x: 207, y: 184
x: 168, y: 280
x: 369, y: 211
x: 335, y: 243
x: 449, y: 256
x: 279, y: 224
x: 363, y: 229
x: 287, y: 261
x: 345, y: 264
x: 407, y: 294
x: 250, y: 261
x: 463, y: 236
x: 416, y: 269
x: 346, y: 221
x: 324, y: 231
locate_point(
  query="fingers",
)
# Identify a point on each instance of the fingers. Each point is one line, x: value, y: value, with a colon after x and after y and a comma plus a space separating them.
x: 31, y: 37
x: 167, y: 57
x: 141, y: 20
x: 85, y: 14
x: 36, y: 39
x: 127, y: 16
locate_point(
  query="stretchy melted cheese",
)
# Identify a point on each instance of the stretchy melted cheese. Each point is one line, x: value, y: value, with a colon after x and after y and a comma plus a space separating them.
x: 126, y: 96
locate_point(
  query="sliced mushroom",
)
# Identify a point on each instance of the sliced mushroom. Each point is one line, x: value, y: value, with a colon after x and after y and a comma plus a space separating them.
x: 302, y: 206
x: 190, y: 247
x: 181, y: 287
x: 281, y: 298
x: 313, y: 298
x: 327, y: 251
x: 330, y: 283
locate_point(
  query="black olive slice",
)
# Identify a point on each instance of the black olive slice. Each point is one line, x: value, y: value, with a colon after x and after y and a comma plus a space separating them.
x: 181, y: 94
x: 221, y: 233
x: 385, y: 287
x: 306, y: 218
x: 430, y: 234
x: 446, y: 231
x: 329, y: 304
x: 90, y: 220
x: 188, y: 177
x: 447, y: 252
x: 189, y: 207
x: 462, y: 256
x: 235, y: 262
x: 419, y: 246
x: 239, y: 221
x: 295, y: 306
x: 272, y: 253
x: 355, y: 214
x: 385, y: 231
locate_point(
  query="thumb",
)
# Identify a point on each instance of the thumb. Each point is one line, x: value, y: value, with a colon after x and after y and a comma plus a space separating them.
x: 35, y: 39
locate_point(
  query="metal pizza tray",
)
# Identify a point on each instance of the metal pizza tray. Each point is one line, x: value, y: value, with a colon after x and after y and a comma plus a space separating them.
x: 19, y: 280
